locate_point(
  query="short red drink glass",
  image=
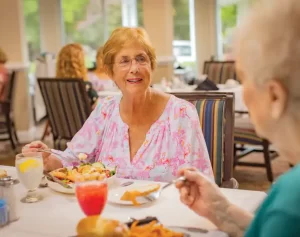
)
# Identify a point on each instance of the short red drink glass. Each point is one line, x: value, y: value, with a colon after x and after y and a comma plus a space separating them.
x: 92, y: 196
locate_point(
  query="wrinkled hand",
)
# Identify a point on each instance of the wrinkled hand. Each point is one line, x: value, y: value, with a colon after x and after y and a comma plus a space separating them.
x: 50, y: 162
x: 201, y: 195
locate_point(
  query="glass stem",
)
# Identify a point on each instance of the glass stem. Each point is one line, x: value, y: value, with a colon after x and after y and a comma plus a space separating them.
x: 31, y: 193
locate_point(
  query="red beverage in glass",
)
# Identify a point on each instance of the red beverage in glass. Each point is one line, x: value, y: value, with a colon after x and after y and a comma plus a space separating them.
x: 92, y: 196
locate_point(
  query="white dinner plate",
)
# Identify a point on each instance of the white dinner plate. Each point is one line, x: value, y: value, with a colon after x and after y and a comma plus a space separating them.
x: 59, y: 188
x: 114, y: 196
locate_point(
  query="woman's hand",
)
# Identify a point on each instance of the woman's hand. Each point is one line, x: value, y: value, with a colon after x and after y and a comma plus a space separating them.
x: 206, y: 199
x: 51, y: 162
x: 34, y: 146
x: 202, y: 196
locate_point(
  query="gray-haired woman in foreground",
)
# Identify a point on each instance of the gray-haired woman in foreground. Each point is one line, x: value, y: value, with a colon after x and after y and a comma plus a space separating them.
x: 268, y: 64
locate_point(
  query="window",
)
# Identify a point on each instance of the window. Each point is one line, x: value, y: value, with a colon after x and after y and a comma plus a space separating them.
x: 184, y: 43
x: 32, y: 30
x: 182, y: 50
x: 90, y: 22
x: 83, y: 24
x: 181, y: 20
x: 228, y: 23
x: 114, y: 13
x: 229, y: 14
x: 140, y: 13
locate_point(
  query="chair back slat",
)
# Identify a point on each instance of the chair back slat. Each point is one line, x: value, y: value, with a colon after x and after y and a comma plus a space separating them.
x: 220, y: 71
x: 215, y: 112
x: 67, y: 106
x: 11, y: 86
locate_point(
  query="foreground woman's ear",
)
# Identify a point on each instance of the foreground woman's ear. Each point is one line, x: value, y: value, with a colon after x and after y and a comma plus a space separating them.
x: 278, y: 98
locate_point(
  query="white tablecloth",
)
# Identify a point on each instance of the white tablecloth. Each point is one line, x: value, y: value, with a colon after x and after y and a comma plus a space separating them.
x: 58, y: 214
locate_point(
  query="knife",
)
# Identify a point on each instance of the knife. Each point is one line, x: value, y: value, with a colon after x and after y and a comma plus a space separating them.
x: 189, y: 229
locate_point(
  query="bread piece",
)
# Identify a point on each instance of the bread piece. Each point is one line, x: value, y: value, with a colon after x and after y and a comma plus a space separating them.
x: 3, y: 173
x: 95, y: 226
x: 132, y: 194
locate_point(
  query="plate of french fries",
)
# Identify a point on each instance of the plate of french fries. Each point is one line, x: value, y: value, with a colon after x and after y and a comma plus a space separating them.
x: 101, y: 227
x: 84, y: 172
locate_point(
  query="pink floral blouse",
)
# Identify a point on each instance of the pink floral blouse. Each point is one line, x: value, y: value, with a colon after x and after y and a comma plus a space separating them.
x: 174, y: 141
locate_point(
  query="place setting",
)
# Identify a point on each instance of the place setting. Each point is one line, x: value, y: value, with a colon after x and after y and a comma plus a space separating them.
x: 94, y: 186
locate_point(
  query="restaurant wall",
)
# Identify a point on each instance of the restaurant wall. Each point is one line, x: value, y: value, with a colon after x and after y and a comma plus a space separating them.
x: 13, y: 42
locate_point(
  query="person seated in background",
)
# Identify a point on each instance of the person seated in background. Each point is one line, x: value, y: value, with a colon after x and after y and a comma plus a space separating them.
x: 70, y: 64
x: 99, y: 79
x: 146, y: 133
x: 4, y: 75
x: 267, y: 62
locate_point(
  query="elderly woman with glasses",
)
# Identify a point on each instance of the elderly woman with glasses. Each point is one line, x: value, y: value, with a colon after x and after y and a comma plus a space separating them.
x: 267, y: 61
x: 147, y: 134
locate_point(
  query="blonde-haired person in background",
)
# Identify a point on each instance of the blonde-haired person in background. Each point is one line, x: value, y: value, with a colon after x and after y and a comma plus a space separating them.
x: 268, y: 64
x: 71, y: 64
x: 99, y: 79
x: 147, y: 134
x: 4, y: 75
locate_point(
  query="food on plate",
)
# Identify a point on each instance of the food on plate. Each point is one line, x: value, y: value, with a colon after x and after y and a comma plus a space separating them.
x: 82, y: 156
x: 95, y: 226
x: 100, y: 227
x: 3, y: 173
x: 132, y: 194
x: 84, y: 172
x: 153, y: 229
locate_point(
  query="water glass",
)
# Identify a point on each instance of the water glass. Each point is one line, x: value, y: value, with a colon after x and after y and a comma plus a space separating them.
x: 30, y: 172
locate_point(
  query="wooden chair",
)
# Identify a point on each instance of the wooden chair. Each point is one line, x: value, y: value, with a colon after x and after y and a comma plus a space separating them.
x: 244, y: 134
x: 7, y: 122
x: 67, y: 106
x: 220, y: 71
x: 216, y: 117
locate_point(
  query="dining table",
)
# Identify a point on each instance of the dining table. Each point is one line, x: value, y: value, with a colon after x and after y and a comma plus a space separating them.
x: 236, y: 89
x: 57, y: 214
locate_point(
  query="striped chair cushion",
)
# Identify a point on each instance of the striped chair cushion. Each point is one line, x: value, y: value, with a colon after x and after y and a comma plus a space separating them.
x: 244, y: 132
x: 211, y: 116
x: 246, y: 136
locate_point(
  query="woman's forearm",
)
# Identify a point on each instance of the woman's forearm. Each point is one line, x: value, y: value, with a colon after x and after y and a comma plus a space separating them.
x: 234, y: 221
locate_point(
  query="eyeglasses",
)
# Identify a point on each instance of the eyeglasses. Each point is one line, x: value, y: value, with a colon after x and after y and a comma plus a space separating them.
x: 126, y: 63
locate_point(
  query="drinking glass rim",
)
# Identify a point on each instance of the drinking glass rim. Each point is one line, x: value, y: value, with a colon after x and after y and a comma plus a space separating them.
x: 33, y: 154
x: 90, y: 182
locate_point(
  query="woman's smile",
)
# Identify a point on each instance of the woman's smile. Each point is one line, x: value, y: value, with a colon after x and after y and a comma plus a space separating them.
x: 134, y: 80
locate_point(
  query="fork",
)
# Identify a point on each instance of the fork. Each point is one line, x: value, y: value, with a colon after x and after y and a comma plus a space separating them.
x: 49, y: 151
x: 155, y: 195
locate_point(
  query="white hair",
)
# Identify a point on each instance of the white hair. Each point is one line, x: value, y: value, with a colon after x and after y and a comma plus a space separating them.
x: 268, y: 44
